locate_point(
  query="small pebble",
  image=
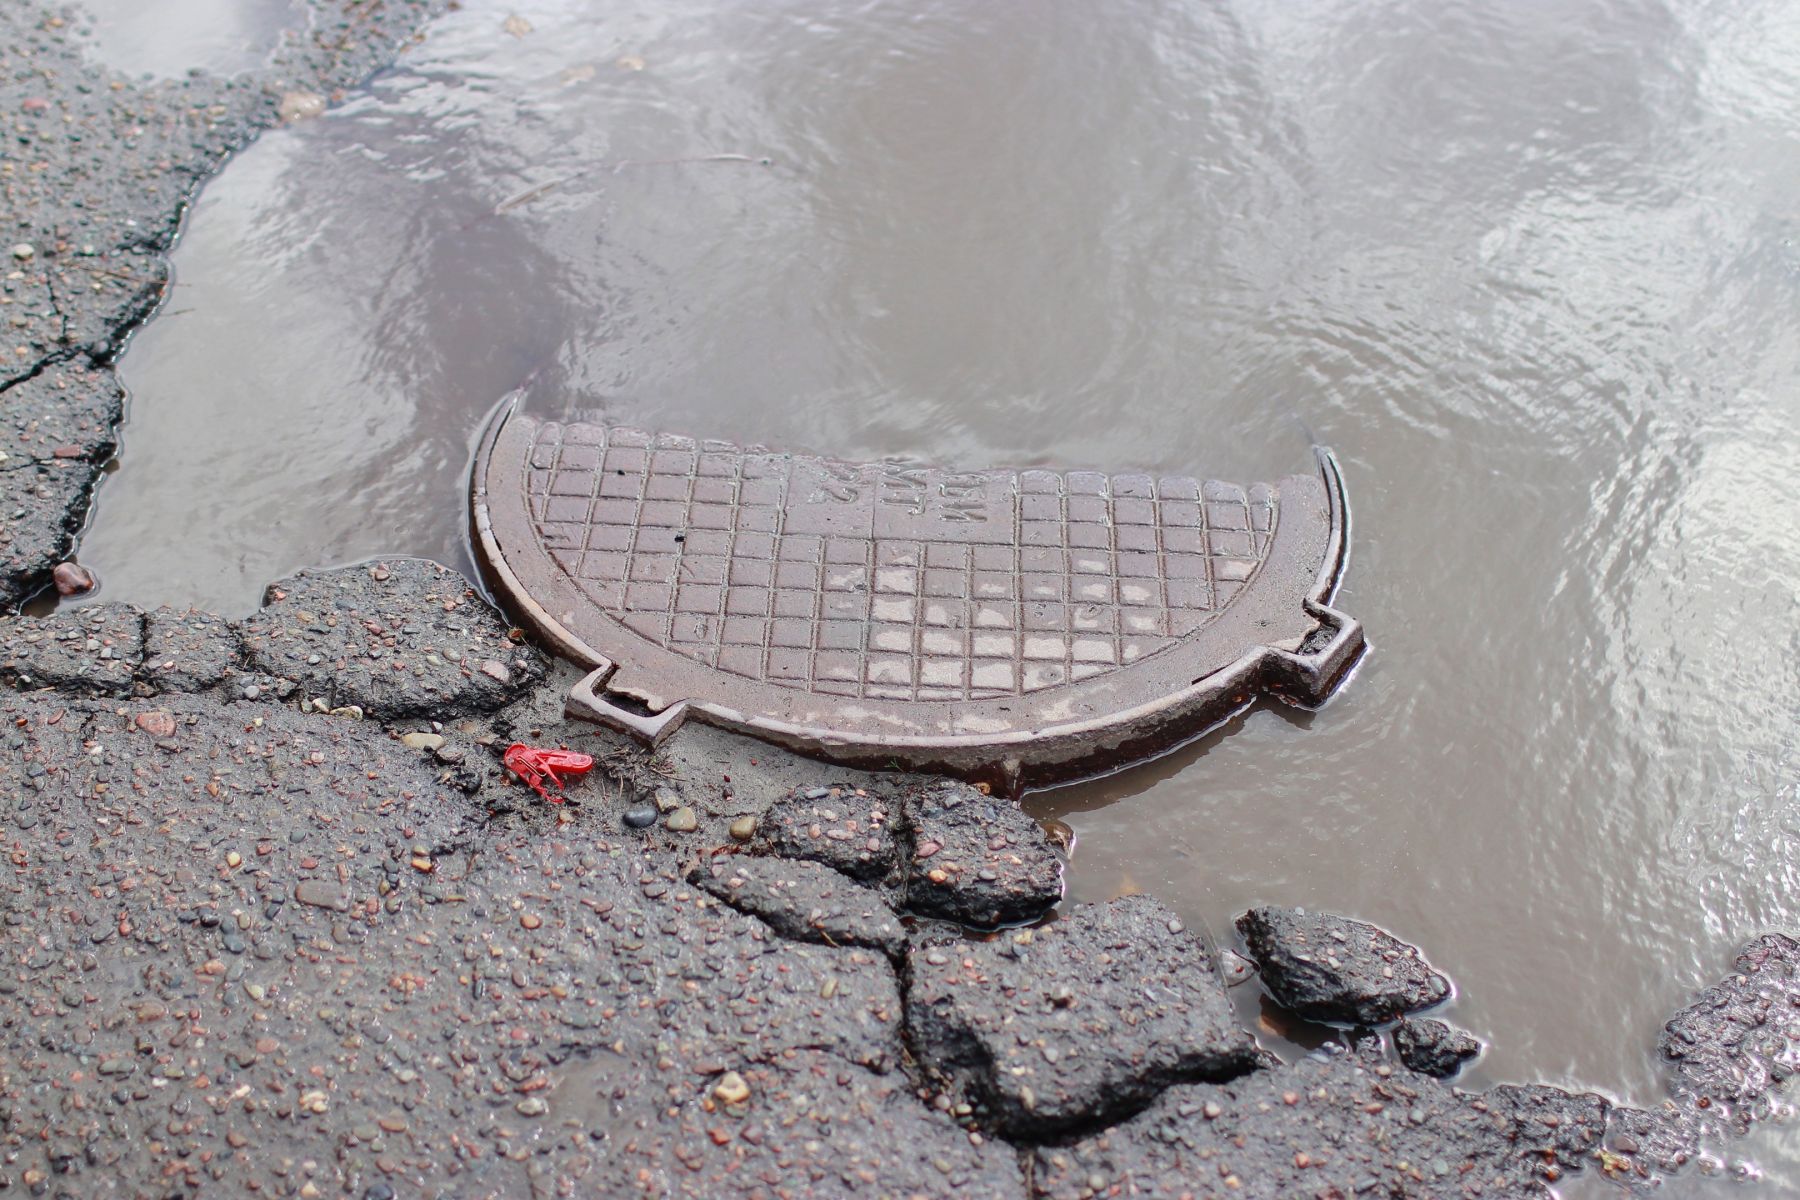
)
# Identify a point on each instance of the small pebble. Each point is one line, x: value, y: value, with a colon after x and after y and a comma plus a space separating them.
x: 743, y: 829
x: 298, y: 106
x: 157, y: 724
x: 640, y: 816
x: 732, y: 1089
x: 422, y: 741
x: 24, y: 251
x: 72, y: 579
x: 683, y: 820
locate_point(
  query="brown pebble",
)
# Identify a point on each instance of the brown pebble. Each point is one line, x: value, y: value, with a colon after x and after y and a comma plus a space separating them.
x: 72, y: 579
x: 156, y: 723
x: 530, y: 920
x: 320, y: 894
x: 298, y: 106
x: 731, y: 1088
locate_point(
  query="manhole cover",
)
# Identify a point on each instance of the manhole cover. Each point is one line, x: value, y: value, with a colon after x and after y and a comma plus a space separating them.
x: 1013, y: 626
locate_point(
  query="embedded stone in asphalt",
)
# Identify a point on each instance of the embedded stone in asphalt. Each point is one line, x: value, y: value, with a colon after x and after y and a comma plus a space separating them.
x: 1335, y: 1124
x: 850, y: 829
x: 805, y: 901
x: 1433, y: 1048
x: 1078, y: 1022
x: 393, y: 638
x: 978, y: 859
x: 1329, y: 968
x: 90, y: 651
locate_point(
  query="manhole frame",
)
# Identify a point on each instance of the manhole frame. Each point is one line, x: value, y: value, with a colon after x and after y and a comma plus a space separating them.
x: 1303, y: 668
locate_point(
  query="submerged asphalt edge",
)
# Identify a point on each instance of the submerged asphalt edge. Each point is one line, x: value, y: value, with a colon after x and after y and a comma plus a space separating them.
x: 260, y: 938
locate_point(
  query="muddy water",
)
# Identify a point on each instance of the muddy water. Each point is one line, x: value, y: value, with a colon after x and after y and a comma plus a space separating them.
x: 1529, y: 268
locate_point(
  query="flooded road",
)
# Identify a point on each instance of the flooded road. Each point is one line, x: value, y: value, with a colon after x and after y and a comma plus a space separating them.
x: 1529, y: 269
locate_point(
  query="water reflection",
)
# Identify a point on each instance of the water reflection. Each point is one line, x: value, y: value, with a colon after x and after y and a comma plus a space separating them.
x: 1529, y: 268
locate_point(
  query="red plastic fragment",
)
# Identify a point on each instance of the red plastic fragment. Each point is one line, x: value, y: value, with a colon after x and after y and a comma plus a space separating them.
x: 537, y: 765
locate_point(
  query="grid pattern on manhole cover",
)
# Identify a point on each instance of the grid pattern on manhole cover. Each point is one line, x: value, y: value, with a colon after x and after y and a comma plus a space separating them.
x: 888, y: 581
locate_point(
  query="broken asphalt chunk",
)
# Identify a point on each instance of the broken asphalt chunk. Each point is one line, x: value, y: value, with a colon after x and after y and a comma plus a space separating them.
x: 850, y: 829
x: 1329, y: 968
x: 803, y: 901
x: 1077, y: 1023
x: 393, y: 638
x: 978, y: 859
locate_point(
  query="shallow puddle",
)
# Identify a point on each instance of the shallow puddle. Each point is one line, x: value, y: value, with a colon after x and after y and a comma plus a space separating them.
x: 1530, y: 269
x: 169, y: 38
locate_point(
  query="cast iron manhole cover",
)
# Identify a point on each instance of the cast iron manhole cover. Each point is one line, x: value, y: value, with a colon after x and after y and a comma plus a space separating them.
x: 1013, y: 626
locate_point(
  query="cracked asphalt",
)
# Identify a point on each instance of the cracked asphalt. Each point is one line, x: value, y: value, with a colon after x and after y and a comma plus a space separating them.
x: 275, y: 921
x: 260, y: 941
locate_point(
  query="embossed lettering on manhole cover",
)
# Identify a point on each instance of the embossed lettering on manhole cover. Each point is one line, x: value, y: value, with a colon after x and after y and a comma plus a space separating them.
x: 1017, y: 626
